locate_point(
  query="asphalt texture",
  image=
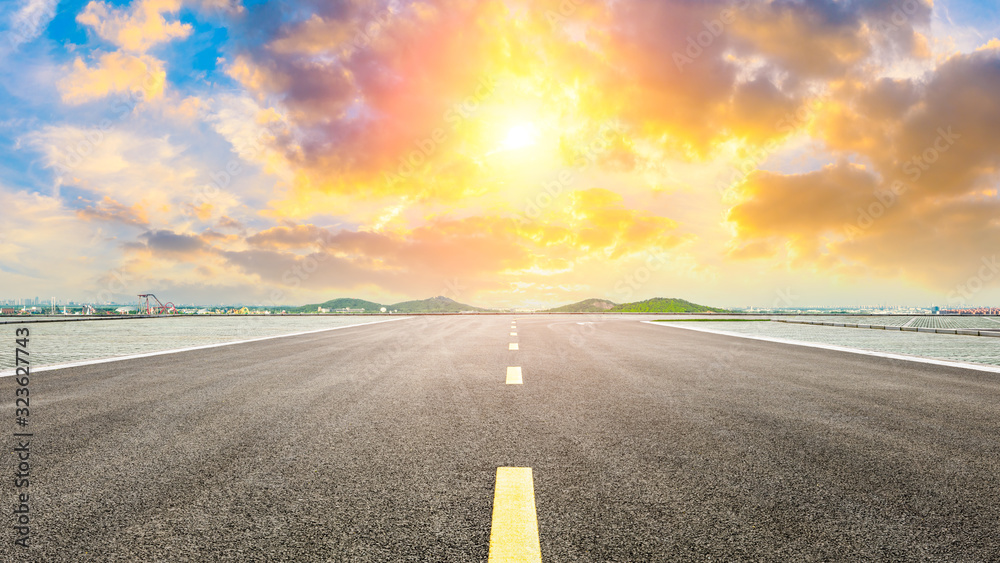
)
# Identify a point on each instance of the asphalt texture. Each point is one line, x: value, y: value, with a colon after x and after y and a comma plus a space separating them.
x: 381, y: 443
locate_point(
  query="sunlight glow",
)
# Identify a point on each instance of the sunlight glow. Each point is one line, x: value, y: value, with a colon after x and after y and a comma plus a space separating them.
x: 519, y: 136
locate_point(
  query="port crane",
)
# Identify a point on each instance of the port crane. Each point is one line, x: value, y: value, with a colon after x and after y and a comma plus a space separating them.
x: 159, y: 309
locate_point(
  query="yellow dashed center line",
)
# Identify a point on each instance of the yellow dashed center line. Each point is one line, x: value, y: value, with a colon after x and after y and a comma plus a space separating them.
x: 513, y: 346
x: 514, y: 375
x: 513, y: 334
x: 514, y: 532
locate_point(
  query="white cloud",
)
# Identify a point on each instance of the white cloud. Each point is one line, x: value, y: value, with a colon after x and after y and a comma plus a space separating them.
x: 137, y: 28
x: 159, y: 176
x: 27, y: 23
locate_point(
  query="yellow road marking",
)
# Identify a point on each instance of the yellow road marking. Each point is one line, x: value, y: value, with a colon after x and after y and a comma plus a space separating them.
x: 513, y: 346
x: 514, y: 375
x: 514, y: 532
x: 513, y: 334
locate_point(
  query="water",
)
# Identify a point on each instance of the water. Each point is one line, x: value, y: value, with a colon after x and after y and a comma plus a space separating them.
x: 983, y: 323
x: 976, y: 349
x: 61, y: 342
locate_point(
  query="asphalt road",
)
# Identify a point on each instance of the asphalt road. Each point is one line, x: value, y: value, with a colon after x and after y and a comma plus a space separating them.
x: 382, y: 442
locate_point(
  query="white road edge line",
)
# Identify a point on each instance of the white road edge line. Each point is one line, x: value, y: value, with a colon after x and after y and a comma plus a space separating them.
x: 890, y: 355
x: 9, y: 373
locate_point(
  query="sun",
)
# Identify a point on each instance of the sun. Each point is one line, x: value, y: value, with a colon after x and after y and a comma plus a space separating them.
x: 519, y: 136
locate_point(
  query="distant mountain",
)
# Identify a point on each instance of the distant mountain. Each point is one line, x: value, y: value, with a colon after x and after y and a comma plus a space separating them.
x: 433, y: 305
x: 445, y: 305
x: 585, y: 306
x: 664, y: 305
x: 342, y: 303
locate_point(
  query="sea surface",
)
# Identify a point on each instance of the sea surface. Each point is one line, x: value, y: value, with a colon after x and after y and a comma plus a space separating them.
x: 975, y: 349
x: 61, y: 342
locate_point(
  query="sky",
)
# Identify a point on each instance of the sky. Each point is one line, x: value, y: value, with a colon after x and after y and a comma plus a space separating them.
x: 784, y: 153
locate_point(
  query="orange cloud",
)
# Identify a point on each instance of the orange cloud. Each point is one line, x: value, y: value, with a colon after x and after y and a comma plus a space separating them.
x: 925, y: 198
x: 601, y: 222
x: 798, y: 211
x: 114, y: 73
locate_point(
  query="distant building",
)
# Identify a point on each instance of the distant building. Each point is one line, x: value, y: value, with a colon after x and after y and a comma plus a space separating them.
x: 348, y: 310
x: 322, y: 310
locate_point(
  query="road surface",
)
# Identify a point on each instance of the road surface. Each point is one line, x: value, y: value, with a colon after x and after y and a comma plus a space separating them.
x: 383, y: 443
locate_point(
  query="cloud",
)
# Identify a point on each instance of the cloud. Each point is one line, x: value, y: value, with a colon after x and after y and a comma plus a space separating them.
x: 601, y: 222
x: 376, y: 116
x: 27, y: 23
x: 140, y: 167
x: 250, y: 128
x: 48, y: 245
x: 797, y: 211
x: 172, y: 244
x: 227, y: 7
x: 110, y: 210
x: 138, y: 28
x: 926, y: 197
x: 226, y: 222
x: 337, y: 77
x: 828, y: 39
x: 469, y: 248
x: 487, y: 253
x: 114, y: 72
x: 298, y: 236
x: 318, y: 35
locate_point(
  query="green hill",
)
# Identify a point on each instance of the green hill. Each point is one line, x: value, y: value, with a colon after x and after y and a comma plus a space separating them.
x: 342, y: 303
x: 585, y: 306
x: 433, y: 305
x: 664, y: 305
